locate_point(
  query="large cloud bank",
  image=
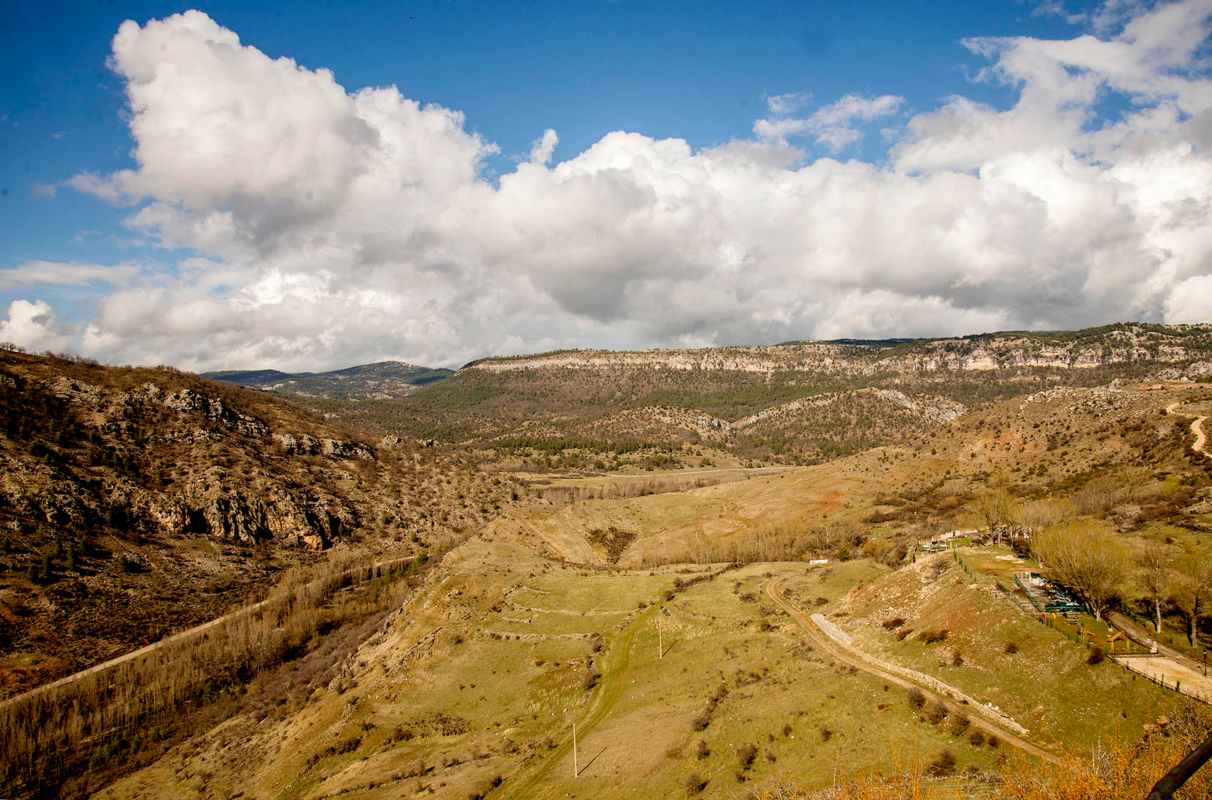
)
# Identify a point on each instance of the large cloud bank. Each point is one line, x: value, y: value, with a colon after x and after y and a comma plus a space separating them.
x: 334, y: 227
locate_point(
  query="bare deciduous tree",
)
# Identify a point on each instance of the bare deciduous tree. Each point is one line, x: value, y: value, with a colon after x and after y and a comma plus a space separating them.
x: 1088, y: 559
x: 1192, y: 584
x: 1155, y: 577
x: 1040, y: 514
x: 996, y: 509
x: 1100, y: 495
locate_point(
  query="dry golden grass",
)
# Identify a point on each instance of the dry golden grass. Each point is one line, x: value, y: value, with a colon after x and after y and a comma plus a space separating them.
x: 1115, y: 771
x: 45, y: 732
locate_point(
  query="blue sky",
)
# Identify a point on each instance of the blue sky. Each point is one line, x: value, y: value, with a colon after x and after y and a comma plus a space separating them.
x: 699, y: 72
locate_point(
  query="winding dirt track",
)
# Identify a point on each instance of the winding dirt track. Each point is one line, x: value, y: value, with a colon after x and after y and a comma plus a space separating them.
x: 860, y: 660
x: 1197, y: 428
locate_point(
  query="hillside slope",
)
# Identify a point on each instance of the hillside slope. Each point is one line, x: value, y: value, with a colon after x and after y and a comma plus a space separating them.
x: 624, y: 616
x: 137, y: 501
x: 791, y: 403
x: 381, y: 380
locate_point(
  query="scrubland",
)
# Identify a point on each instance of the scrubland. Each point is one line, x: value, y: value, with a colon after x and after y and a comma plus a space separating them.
x: 643, y: 610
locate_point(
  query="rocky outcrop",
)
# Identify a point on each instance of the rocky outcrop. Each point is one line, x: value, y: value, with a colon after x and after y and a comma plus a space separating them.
x: 1196, y: 371
x: 306, y: 445
x: 300, y: 444
x: 215, y: 411
x: 337, y: 448
x: 238, y: 508
x: 1126, y: 344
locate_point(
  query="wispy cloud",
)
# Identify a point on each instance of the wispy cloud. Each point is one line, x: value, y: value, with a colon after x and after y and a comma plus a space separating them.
x: 65, y: 273
x: 1057, y: 8
x: 92, y: 183
x: 832, y: 126
x: 788, y: 103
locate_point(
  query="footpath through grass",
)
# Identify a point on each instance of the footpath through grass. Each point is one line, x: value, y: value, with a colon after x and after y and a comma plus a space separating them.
x: 613, y: 681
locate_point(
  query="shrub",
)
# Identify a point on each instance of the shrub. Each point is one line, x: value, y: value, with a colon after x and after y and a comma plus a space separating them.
x: 695, y: 783
x: 959, y: 723
x: 131, y: 564
x: 745, y: 756
x: 935, y: 635
x: 944, y: 764
x: 957, y: 659
x: 976, y: 738
x: 936, y: 713
x: 702, y: 749
x: 701, y: 721
x: 1097, y: 656
x: 1011, y: 648
x: 890, y: 624
x: 916, y: 698
x: 826, y: 733
x: 902, y: 633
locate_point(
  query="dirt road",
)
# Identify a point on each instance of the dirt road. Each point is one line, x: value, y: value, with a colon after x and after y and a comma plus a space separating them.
x: 1197, y: 428
x: 1178, y: 670
x: 1145, y: 639
x: 861, y: 661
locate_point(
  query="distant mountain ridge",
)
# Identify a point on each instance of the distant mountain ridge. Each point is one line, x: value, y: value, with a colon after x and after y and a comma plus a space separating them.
x: 796, y: 402
x: 1120, y: 344
x: 380, y: 380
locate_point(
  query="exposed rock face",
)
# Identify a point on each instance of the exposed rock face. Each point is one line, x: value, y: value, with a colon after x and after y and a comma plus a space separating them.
x: 1126, y: 344
x: 183, y: 434
x: 187, y: 400
x: 137, y: 501
x: 306, y: 445
x: 1195, y: 371
x: 298, y: 444
x: 343, y: 449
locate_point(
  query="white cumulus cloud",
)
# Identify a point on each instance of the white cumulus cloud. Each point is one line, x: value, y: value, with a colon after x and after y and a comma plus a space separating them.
x: 32, y: 325
x: 333, y: 226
